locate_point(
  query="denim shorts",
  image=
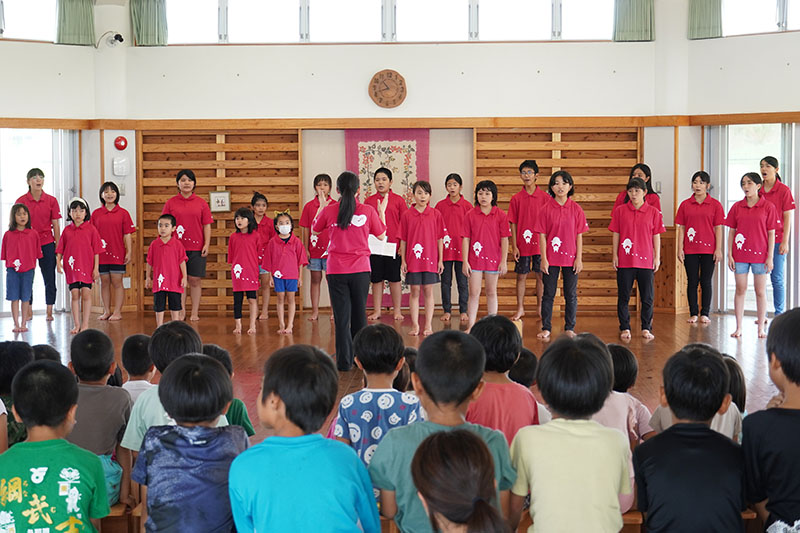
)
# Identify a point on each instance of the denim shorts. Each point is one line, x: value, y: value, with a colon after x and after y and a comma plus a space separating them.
x: 285, y: 285
x: 319, y: 264
x: 757, y: 268
x: 486, y: 271
x: 528, y: 263
x: 19, y: 285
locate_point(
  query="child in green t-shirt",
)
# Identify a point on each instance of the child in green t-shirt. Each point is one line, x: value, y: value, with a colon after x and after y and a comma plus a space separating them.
x: 46, y: 483
x: 237, y: 412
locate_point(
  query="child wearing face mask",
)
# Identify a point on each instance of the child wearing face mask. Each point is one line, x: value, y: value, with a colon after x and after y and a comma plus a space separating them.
x: 283, y: 259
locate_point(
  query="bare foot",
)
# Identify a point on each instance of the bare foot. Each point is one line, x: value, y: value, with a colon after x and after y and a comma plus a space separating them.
x: 736, y: 334
x: 519, y: 314
x: 194, y: 318
x: 23, y: 329
x: 569, y: 333
x: 313, y: 318
x: 104, y: 316
x: 398, y: 316
x: 287, y: 331
x: 49, y: 317
x: 16, y: 329
x: 464, y: 318
x: 182, y: 315
x: 237, y: 330
x: 28, y: 318
x: 762, y: 333
x: 704, y: 319
x: 414, y: 331
x: 756, y: 321
x: 625, y: 335
x: 263, y: 316
x: 646, y: 334
x: 427, y: 331
x: 251, y: 331
x: 445, y: 317
x: 543, y: 335
x: 281, y: 330
x: 74, y: 330
x: 115, y: 317
x: 374, y: 316
x: 692, y: 319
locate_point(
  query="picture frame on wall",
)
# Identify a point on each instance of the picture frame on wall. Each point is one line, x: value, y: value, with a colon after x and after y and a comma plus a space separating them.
x: 219, y: 201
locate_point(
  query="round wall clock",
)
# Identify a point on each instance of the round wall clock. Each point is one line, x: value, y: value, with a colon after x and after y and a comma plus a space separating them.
x: 387, y: 88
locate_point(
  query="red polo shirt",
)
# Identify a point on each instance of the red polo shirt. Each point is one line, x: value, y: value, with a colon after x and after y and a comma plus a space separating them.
x: 453, y: 214
x: 781, y: 197
x: 243, y: 256
x: 165, y: 258
x: 561, y: 225
x: 348, y: 249
x: 317, y: 244
x: 283, y: 258
x: 421, y: 233
x: 78, y: 245
x: 484, y: 233
x: 523, y: 211
x: 43, y: 213
x: 752, y: 225
x: 21, y: 249
x: 700, y: 221
x: 112, y: 225
x: 649, y: 199
x: 394, y: 210
x: 192, y: 214
x: 636, y: 228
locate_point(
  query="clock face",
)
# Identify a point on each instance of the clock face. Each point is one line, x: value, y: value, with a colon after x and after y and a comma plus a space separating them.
x: 387, y: 88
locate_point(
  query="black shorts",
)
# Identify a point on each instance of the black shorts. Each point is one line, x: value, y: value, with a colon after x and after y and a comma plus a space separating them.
x: 79, y: 285
x: 161, y: 298
x: 528, y: 263
x: 422, y: 278
x: 384, y: 268
x: 111, y: 269
x: 195, y: 264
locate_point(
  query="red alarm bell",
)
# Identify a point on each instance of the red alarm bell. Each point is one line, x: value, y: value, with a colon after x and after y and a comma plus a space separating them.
x: 120, y: 143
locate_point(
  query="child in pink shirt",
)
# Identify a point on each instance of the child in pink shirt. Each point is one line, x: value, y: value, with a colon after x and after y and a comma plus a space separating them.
x: 266, y: 229
x: 453, y: 209
x: 484, y: 247
x: 421, y: 234
x: 243, y: 247
x: 642, y: 171
x: 283, y: 259
x: 166, y: 260
x: 317, y: 244
x: 20, y: 251
x: 751, y: 244
x: 636, y: 255
x: 80, y: 244
x: 561, y: 225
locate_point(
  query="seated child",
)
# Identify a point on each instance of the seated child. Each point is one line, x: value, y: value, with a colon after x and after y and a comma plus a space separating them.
x: 690, y: 478
x: 738, y: 392
x: 184, y: 468
x: 13, y: 356
x: 503, y: 403
x: 45, y: 351
x: 454, y: 475
x: 366, y: 416
x: 771, y: 437
x: 448, y: 376
x: 626, y: 369
x: 297, y: 480
x: 103, y: 411
x: 51, y: 484
x: 524, y: 373
x: 138, y: 365
x: 574, y: 468
x: 237, y: 412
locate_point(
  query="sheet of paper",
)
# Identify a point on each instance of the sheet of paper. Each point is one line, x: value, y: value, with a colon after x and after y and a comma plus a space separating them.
x: 379, y: 247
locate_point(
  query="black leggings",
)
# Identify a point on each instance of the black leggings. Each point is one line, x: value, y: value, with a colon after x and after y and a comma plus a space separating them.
x: 348, y: 294
x: 238, y: 298
x: 644, y: 278
x: 699, y: 270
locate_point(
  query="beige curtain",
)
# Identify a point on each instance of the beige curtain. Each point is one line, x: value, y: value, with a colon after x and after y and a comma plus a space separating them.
x: 149, y: 22
x: 634, y: 20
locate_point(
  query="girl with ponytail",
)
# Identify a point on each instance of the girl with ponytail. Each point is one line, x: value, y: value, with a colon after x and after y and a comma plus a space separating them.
x: 454, y: 475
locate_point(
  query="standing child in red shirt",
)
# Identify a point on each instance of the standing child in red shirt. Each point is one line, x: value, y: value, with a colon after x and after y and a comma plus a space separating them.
x: 20, y: 251
x: 80, y: 244
x: 561, y: 226
x: 453, y: 209
x: 317, y: 244
x: 751, y: 245
x: 421, y: 234
x: 523, y: 211
x: 166, y: 259
x: 243, y: 247
x: 115, y: 226
x: 266, y: 229
x: 283, y: 259
x: 484, y: 248
x: 636, y: 255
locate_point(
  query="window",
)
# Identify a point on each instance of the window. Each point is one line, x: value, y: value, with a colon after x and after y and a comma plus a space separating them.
x: 344, y: 21
x: 514, y: 20
x: 587, y: 19
x: 192, y: 21
x: 423, y: 20
x: 749, y: 16
x: 30, y: 19
x: 793, y: 15
x: 260, y: 21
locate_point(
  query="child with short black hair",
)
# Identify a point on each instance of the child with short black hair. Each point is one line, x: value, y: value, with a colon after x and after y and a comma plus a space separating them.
x: 138, y: 365
x: 524, y: 373
x: 367, y: 415
x: 103, y: 411
x: 237, y: 411
x: 266, y: 229
x: 20, y: 250
x: 284, y: 258
x: 689, y: 466
x: 771, y: 437
x: 166, y: 259
x: 13, y: 356
x: 503, y: 404
x: 453, y: 209
x: 45, y: 351
x: 636, y: 414
x: 63, y: 485
x: 243, y: 247
x: 448, y: 376
x: 317, y: 245
x: 574, y: 468
x: 270, y: 482
x: 184, y: 467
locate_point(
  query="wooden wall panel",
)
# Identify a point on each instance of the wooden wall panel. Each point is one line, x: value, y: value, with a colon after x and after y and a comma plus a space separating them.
x: 238, y: 161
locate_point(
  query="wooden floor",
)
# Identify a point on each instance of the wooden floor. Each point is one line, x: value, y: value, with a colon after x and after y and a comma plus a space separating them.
x: 250, y: 351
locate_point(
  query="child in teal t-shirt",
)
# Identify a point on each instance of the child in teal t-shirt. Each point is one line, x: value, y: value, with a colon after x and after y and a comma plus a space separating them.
x: 46, y: 483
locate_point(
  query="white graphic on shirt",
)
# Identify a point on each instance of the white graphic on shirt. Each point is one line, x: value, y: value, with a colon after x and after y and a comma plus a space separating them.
x: 365, y: 397
x: 347, y: 401
x: 527, y: 235
x: 358, y: 220
x: 237, y: 270
x: 71, y: 262
x: 73, y: 497
x: 103, y: 242
x: 412, y: 417
x: 739, y: 241
x: 477, y: 247
x: 355, y: 432
x: 277, y: 274
x: 446, y: 241
x: 17, y: 264
x: 37, y: 474
x: 314, y: 239
x: 385, y: 401
x: 555, y: 243
x: 7, y: 524
x: 417, y: 249
x: 69, y: 476
x: 690, y: 233
x: 627, y: 245
x: 160, y: 280
x: 394, y: 419
x: 179, y: 230
x: 366, y: 416
x: 369, y: 452
x: 376, y: 433
x: 338, y: 431
x: 409, y: 398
